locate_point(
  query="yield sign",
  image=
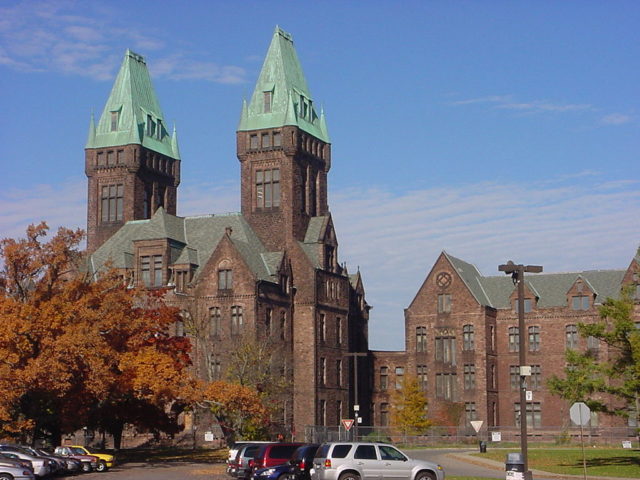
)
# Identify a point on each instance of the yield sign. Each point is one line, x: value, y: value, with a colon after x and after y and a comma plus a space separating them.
x: 347, y: 423
x: 476, y: 424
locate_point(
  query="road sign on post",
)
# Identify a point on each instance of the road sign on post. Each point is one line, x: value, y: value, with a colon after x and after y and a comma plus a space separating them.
x: 347, y: 423
x: 476, y: 424
x: 581, y: 415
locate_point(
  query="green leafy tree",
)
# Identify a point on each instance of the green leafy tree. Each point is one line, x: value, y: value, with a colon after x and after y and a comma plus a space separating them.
x: 409, y: 408
x: 611, y: 383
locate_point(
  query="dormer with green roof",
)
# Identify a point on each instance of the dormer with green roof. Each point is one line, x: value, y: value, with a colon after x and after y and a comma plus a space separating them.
x: 283, y: 147
x: 131, y: 160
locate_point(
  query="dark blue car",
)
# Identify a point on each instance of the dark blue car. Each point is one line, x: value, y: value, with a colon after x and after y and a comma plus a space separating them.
x: 279, y: 472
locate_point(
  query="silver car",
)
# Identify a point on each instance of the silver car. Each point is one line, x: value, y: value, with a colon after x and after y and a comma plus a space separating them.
x: 368, y: 461
x: 15, y: 473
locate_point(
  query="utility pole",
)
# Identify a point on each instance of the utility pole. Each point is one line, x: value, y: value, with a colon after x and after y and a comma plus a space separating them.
x: 356, y: 405
x: 517, y: 274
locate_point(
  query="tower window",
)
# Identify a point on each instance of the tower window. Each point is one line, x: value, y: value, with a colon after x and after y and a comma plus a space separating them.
x: 266, y: 140
x: 253, y: 142
x: 277, y: 139
x: 112, y: 202
x: 114, y: 121
x: 151, y: 126
x: 268, y: 188
x: 267, y: 97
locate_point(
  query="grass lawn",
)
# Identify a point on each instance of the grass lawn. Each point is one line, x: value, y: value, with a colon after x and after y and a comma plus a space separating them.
x: 601, y: 462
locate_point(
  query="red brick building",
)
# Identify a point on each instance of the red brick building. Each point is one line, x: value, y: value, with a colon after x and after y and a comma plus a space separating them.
x: 270, y: 276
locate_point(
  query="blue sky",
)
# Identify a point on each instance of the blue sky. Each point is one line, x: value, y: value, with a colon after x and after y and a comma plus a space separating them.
x: 493, y: 130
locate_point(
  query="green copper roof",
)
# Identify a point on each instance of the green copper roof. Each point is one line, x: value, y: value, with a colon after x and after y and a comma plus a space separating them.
x: 281, y: 96
x: 132, y: 114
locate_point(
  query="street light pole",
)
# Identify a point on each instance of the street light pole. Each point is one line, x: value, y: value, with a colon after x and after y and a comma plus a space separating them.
x: 517, y: 273
x: 356, y: 406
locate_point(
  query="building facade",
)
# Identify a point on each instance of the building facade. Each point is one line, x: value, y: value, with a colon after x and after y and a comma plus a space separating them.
x: 268, y: 281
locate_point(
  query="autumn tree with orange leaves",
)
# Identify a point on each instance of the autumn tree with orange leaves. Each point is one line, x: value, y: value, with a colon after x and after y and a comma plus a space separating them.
x: 78, y: 351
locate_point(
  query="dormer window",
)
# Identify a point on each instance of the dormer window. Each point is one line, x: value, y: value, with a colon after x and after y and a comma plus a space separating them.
x: 580, y: 302
x: 159, y: 130
x: 267, y: 99
x: 151, y: 126
x: 114, y: 121
x: 528, y: 305
x: 151, y: 270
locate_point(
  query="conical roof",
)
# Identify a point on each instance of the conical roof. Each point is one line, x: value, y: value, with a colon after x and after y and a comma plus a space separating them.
x: 132, y: 114
x: 281, y: 96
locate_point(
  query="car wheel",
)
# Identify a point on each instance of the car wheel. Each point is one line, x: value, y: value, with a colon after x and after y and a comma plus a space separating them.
x: 425, y: 476
x: 86, y: 467
x: 349, y: 476
x: 102, y: 467
x: 6, y: 476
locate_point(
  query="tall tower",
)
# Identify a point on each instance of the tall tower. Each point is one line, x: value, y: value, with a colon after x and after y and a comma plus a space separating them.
x: 284, y: 150
x: 132, y: 162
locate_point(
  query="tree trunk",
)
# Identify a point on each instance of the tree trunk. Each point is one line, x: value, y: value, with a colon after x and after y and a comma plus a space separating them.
x: 116, y: 431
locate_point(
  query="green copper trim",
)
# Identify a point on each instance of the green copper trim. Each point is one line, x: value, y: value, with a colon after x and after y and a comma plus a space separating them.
x: 132, y: 114
x: 281, y: 96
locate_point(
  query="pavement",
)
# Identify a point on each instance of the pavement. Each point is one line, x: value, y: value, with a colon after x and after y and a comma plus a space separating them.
x: 499, y: 467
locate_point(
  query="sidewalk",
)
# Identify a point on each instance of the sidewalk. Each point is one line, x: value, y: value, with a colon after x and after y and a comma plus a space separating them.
x: 467, y: 457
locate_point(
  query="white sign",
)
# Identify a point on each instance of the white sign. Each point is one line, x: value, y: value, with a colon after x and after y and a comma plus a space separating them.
x: 208, y: 436
x: 511, y: 475
x: 356, y: 408
x: 525, y: 371
x: 580, y: 414
x: 496, y: 436
x: 347, y: 423
x: 359, y: 419
x: 529, y: 395
x: 626, y: 444
x: 476, y: 424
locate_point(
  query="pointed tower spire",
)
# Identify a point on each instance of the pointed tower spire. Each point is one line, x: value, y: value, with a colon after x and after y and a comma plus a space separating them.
x: 280, y: 84
x: 174, y: 143
x: 132, y: 114
x: 91, y: 138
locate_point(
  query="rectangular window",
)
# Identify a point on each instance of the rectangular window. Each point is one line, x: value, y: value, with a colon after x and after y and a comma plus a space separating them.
x: 446, y: 386
x: 151, y: 270
x: 534, y: 339
x: 114, y: 121
x: 267, y: 96
x: 528, y: 305
x: 514, y: 339
x: 514, y: 377
x: 151, y: 127
x: 322, y: 326
x: 283, y: 325
x: 444, y: 303
x: 421, y: 339
x: 215, y: 367
x: 277, y: 139
x: 266, y: 140
x: 593, y: 343
x: 268, y: 188
x: 571, y: 333
x: 253, y: 142
x: 399, y: 377
x: 323, y: 371
x: 323, y: 412
x: 470, y: 411
x: 225, y: 279
x: 100, y: 160
x: 384, y: 378
x: 267, y: 322
x: 339, y: 372
x: 112, y: 203
x: 469, y: 377
x: 384, y: 414
x: 120, y: 157
x: 237, y: 320
x: 421, y: 373
x: 215, y: 320
x: 338, y: 331
x: 446, y: 350
x: 468, y: 338
x: 534, y: 414
x: 580, y: 302
x: 535, y: 380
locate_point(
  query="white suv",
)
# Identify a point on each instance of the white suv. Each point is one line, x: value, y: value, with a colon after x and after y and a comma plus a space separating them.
x: 366, y: 461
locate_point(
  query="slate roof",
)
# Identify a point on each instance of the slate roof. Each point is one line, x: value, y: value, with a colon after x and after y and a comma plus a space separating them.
x: 551, y: 288
x: 192, y: 240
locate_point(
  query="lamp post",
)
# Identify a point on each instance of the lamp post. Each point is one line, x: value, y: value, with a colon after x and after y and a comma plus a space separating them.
x: 356, y: 405
x: 517, y: 274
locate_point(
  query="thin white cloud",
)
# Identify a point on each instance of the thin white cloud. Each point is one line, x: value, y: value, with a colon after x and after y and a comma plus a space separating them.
x: 395, y: 238
x: 616, y: 119
x: 52, y: 36
x: 508, y: 102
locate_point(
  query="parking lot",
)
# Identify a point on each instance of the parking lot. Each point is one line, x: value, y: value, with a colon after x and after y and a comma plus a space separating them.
x: 158, y: 471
